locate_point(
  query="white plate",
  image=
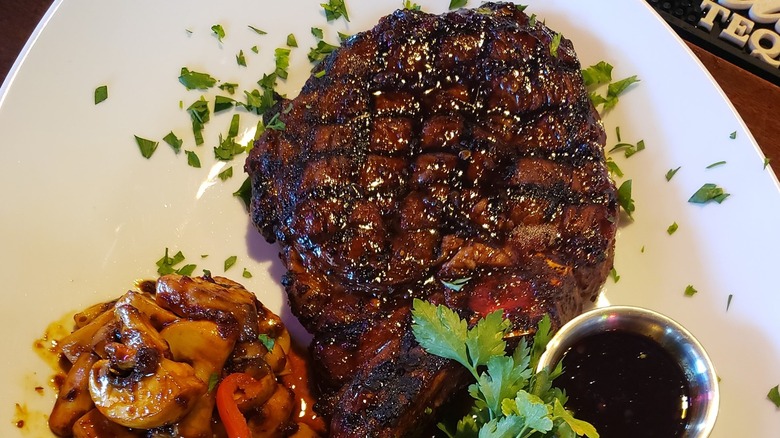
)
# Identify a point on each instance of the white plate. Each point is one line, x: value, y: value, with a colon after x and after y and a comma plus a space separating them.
x: 83, y: 215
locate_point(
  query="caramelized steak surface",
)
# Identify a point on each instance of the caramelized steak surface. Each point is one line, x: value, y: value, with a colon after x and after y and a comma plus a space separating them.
x: 455, y: 158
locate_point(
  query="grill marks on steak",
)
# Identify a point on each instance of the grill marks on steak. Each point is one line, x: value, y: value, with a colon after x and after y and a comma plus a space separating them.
x: 431, y: 149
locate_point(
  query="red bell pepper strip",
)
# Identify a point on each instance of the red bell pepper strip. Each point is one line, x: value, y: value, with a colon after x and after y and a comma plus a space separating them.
x: 227, y: 405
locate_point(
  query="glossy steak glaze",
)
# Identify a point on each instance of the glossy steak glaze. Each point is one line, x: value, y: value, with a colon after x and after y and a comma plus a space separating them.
x: 429, y: 150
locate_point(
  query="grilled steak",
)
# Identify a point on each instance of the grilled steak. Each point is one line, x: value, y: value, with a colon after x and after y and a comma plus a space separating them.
x: 455, y: 158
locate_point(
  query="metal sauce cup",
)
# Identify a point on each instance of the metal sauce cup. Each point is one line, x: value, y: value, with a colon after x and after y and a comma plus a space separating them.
x: 670, y: 335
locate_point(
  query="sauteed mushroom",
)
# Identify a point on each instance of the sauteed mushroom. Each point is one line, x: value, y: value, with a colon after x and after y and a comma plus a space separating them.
x: 150, y: 364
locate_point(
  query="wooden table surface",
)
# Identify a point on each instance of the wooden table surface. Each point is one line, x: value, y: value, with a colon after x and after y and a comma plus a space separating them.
x: 757, y: 101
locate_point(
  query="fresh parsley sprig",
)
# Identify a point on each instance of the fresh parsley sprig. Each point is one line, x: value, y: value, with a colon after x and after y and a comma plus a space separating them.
x: 509, y: 399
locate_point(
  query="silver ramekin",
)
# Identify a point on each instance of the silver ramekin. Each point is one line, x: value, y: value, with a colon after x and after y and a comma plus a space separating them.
x: 670, y: 335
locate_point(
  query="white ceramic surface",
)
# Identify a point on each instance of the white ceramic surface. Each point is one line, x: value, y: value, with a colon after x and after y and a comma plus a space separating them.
x: 83, y: 215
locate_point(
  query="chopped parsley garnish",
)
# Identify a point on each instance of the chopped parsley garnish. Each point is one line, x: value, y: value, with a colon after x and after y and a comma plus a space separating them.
x: 343, y: 36
x: 173, y: 141
x: 716, y: 164
x: 507, y: 394
x: 708, y: 192
x: 614, y: 275
x: 629, y: 148
x: 320, y: 51
x: 672, y: 228
x: 624, y: 198
x: 255, y: 49
x: 233, y: 129
x: 455, y: 4
x: 600, y: 74
x: 101, y: 94
x: 219, y: 32
x: 521, y: 8
x: 167, y: 264
x: 193, y: 80
x: 228, y: 87
x: 291, y: 41
x: 670, y: 173
x: 226, y: 174
x: 147, y: 147
x: 275, y: 123
x: 690, y: 291
x: 199, y: 110
x: 554, y: 44
x: 245, y: 192
x: 531, y: 20
x: 267, y: 341
x: 282, y: 58
x: 246, y: 274
x: 733, y: 135
x: 335, y: 9
x: 728, y: 302
x: 766, y: 161
x: 240, y: 59
x: 317, y: 32
x: 222, y: 103
x: 410, y: 5
x: 228, y: 148
x: 456, y: 284
x: 774, y: 395
x: 258, y: 31
x: 192, y: 159
x: 597, y: 74
x: 230, y: 261
x: 613, y: 168
x: 213, y: 380
x: 199, y: 113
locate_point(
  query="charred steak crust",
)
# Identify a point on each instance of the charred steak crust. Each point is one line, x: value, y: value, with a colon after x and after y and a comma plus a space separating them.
x: 429, y: 149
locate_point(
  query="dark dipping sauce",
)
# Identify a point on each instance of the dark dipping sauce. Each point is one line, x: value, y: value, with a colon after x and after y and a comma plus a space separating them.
x: 626, y: 385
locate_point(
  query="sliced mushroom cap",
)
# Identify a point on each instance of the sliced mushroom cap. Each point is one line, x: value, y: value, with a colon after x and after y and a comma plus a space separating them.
x: 201, y: 344
x: 145, y: 401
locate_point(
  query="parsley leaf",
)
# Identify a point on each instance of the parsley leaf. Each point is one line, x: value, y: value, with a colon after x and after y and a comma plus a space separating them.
x: 218, y: 31
x: 240, y: 59
x: 672, y: 228
x: 246, y: 274
x: 708, y: 192
x: 774, y: 395
x: 409, y: 5
x: 258, y: 31
x: 244, y: 192
x: 335, y: 9
x: 690, y: 291
x: 597, y: 74
x: 229, y: 262
x: 222, y: 103
x: 173, y: 141
x: 147, y: 147
x: 733, y: 135
x: 455, y: 4
x: 509, y: 400
x: 670, y: 173
x: 456, y: 284
x: 226, y: 174
x: 228, y: 86
x: 554, y: 44
x: 716, y: 164
x: 101, y: 94
x: 192, y: 159
x: 267, y: 341
x: 624, y: 198
x: 291, y: 41
x: 195, y: 80
x: 282, y: 57
x: 166, y: 264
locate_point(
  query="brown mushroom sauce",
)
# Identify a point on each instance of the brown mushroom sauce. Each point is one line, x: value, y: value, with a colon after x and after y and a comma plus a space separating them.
x: 149, y: 365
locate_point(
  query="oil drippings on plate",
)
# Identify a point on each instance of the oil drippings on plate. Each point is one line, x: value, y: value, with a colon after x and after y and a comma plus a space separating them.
x: 626, y: 385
